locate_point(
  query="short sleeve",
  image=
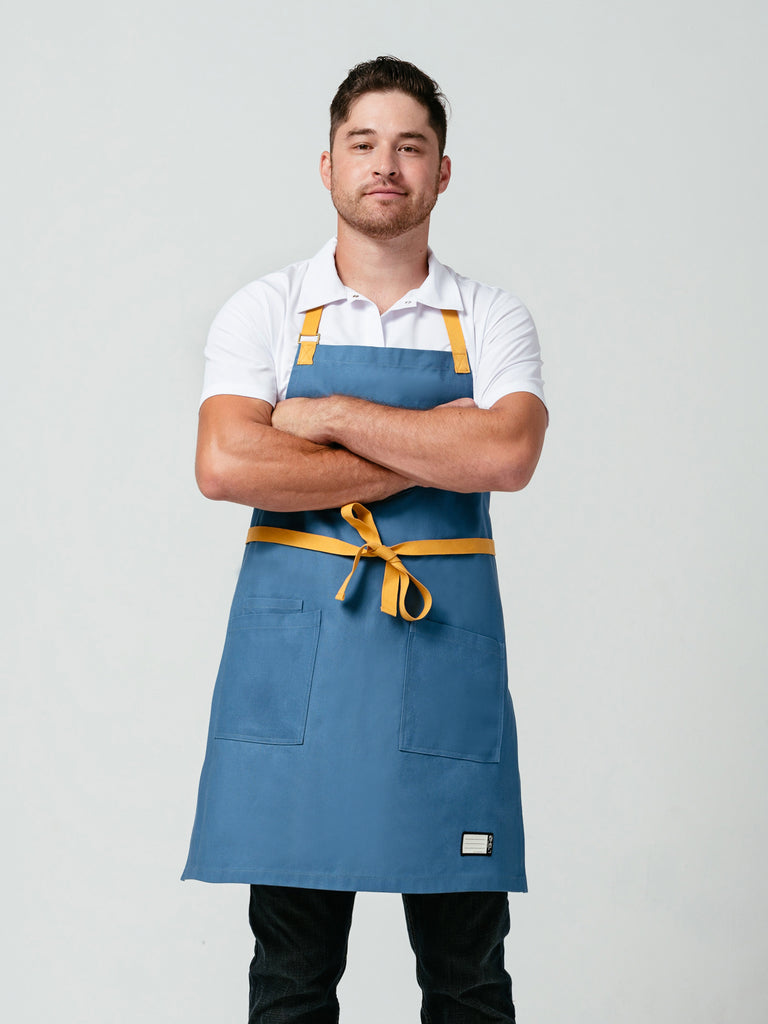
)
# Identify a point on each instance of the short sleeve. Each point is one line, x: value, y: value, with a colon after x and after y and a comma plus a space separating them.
x: 508, y: 356
x: 239, y: 352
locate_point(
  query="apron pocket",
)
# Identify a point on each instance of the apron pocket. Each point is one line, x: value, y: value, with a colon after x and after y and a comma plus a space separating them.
x: 268, y: 604
x: 266, y: 675
x: 453, y: 693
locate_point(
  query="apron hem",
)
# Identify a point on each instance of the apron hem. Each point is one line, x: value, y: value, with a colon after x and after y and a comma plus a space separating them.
x: 357, y: 883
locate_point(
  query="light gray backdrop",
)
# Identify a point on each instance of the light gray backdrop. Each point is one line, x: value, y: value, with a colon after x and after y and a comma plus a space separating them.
x: 610, y: 168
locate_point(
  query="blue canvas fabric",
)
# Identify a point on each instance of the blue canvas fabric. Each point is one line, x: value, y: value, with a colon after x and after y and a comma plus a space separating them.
x: 350, y: 750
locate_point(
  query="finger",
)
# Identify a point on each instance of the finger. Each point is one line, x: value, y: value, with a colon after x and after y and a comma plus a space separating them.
x: 464, y: 403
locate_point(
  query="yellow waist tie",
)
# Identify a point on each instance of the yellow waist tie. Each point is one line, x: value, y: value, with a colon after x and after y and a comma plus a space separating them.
x: 397, y: 579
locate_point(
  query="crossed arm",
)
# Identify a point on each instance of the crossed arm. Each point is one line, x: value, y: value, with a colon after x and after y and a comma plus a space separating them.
x: 311, y: 453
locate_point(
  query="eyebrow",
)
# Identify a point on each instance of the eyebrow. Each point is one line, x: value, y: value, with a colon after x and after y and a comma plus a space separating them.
x: 355, y: 132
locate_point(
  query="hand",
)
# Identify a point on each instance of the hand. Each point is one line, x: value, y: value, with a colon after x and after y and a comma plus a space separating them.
x: 459, y: 403
x: 302, y: 417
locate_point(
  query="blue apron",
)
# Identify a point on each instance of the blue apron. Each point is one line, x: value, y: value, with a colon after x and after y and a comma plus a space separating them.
x: 351, y: 749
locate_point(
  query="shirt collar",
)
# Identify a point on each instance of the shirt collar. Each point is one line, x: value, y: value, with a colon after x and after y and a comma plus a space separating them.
x: 440, y: 289
x: 322, y: 284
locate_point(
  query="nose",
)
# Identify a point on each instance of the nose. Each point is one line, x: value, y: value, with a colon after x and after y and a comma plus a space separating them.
x: 387, y: 164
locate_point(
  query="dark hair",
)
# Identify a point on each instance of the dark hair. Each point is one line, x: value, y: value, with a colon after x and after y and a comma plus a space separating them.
x: 388, y: 74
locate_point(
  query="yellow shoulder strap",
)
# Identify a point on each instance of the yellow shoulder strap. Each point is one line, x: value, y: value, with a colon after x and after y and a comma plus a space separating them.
x: 456, y: 338
x: 309, y: 336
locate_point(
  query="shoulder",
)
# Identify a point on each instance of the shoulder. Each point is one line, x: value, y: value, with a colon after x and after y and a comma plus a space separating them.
x: 486, y: 304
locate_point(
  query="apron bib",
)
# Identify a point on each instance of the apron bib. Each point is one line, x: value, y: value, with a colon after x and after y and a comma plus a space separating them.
x: 351, y: 747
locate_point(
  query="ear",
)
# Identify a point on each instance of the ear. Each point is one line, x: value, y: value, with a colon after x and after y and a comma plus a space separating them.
x: 325, y: 169
x: 445, y: 174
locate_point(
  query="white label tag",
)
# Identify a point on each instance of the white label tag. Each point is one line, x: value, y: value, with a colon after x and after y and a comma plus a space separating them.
x: 476, y: 844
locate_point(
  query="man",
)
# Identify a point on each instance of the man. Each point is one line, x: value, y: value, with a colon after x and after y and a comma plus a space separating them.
x: 362, y: 736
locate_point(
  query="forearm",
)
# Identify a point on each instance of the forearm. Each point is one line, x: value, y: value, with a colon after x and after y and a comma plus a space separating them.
x: 247, y: 461
x: 453, y: 447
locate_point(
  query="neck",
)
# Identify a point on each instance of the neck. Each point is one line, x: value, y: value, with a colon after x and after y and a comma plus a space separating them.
x: 383, y: 270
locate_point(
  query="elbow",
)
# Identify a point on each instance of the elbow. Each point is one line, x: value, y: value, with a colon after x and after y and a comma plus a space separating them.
x: 517, y: 442
x: 512, y: 478
x: 211, y: 480
x: 231, y: 434
x: 517, y: 479
x: 210, y: 485
x: 220, y: 478
x: 515, y: 471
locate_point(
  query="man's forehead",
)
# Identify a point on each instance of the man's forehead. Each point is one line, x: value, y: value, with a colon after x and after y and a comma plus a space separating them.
x: 388, y: 109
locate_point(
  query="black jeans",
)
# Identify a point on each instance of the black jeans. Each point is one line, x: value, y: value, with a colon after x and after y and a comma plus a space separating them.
x: 301, y: 952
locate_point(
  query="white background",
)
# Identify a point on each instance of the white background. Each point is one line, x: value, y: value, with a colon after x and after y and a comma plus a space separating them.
x: 610, y: 168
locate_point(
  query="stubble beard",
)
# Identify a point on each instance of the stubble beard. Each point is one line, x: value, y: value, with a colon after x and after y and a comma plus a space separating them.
x: 390, y: 219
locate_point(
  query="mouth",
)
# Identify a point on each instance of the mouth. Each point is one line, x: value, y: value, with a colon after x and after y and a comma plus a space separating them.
x: 385, y: 192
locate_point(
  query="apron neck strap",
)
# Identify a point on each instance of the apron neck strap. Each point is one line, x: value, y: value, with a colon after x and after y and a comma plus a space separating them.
x: 310, y: 336
x: 456, y: 338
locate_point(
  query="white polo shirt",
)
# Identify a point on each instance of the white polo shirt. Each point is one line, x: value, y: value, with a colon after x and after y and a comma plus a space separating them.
x: 251, y: 346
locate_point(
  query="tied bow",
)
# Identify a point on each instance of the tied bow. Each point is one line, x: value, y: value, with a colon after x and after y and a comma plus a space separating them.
x: 397, y: 579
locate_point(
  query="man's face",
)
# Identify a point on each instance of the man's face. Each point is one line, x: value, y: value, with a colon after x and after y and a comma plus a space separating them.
x: 385, y: 172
